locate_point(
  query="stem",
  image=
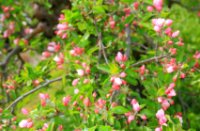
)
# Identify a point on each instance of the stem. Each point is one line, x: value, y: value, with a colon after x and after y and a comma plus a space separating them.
x: 13, y: 104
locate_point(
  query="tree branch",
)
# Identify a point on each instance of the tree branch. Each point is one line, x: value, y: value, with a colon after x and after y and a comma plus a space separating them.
x: 128, y: 40
x: 13, y: 104
x: 156, y: 58
x: 18, y: 49
x: 101, y: 47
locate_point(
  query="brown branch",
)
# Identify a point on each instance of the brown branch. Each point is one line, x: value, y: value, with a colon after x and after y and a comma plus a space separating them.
x: 153, y: 59
x: 18, y: 49
x: 13, y: 104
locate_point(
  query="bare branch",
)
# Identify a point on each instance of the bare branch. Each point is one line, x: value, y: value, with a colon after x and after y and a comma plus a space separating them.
x: 128, y: 40
x: 101, y: 47
x: 153, y: 59
x: 13, y: 104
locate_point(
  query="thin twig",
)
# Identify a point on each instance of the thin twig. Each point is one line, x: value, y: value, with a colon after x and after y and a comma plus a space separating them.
x: 153, y: 59
x: 102, y: 48
x: 128, y: 40
x: 13, y: 104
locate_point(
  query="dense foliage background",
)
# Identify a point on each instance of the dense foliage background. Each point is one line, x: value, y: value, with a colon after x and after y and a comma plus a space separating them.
x: 99, y: 65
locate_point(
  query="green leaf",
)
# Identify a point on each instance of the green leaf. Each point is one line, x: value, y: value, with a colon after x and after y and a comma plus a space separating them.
x: 119, y: 110
x: 98, y: 9
x: 104, y: 68
x: 104, y: 128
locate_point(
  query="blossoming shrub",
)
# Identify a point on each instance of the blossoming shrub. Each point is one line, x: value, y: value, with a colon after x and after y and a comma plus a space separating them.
x: 113, y: 65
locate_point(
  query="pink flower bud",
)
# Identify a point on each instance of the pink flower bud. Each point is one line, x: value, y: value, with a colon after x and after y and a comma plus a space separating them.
x: 170, y: 42
x: 135, y: 105
x: 131, y: 118
x: 122, y: 75
x: 158, y: 129
x: 46, y: 54
x: 144, y: 117
x: 168, y: 22
x: 75, y: 82
x: 175, y: 34
x: 172, y: 51
x: 182, y: 76
x: 120, y: 57
x: 66, y: 100
x: 87, y: 102
x: 150, y: 8
x: 165, y: 104
x: 136, y: 5
x: 24, y: 111
x: 158, y: 4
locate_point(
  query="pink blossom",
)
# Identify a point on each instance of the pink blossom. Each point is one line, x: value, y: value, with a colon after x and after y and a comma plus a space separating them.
x: 59, y: 60
x: 144, y: 117
x: 76, y: 91
x: 100, y: 103
x: 44, y: 96
x: 170, y: 42
x: 157, y: 29
x: 158, y: 22
x: 85, y: 81
x: 61, y: 17
x: 136, y: 5
x: 158, y: 129
x: 179, y: 116
x: 131, y: 118
x: 127, y: 11
x: 87, y: 102
x: 77, y: 51
x: 168, y: 22
x: 61, y: 29
x: 53, y: 47
x: 160, y: 115
x: 171, y: 93
x: 24, y: 111
x: 168, y: 32
x: 16, y: 41
x: 80, y: 72
x: 117, y: 81
x: 197, y: 55
x: 171, y: 86
x: 165, y: 104
x: 158, y: 4
x: 46, y: 54
x: 135, y: 105
x: 122, y: 74
x: 150, y: 8
x: 182, y: 75
x: 172, y: 51
x: 66, y: 100
x: 26, y: 124
x: 170, y: 69
x: 175, y: 34
x: 142, y: 70
x: 75, y: 82
x: 23, y: 123
x: 120, y: 57
x: 112, y: 23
